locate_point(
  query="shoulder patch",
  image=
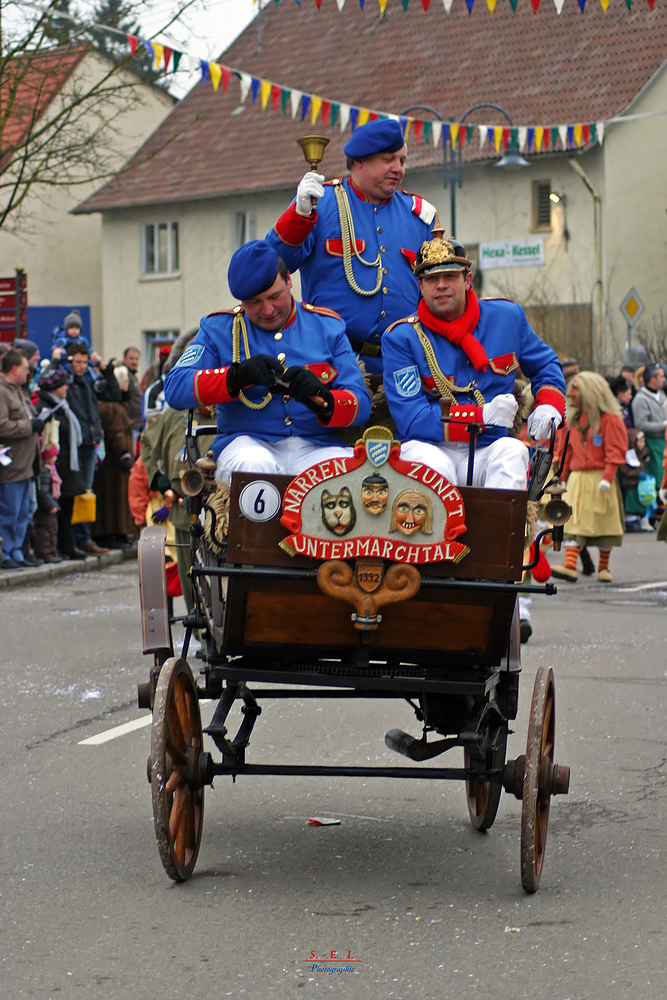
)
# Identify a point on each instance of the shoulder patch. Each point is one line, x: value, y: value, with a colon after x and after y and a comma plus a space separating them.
x: 190, y: 356
x: 407, y: 381
x: 321, y: 310
x: 226, y: 312
x: 406, y: 319
x: 421, y: 207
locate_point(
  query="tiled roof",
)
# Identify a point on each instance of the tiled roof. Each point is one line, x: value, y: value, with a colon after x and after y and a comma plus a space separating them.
x: 544, y: 69
x: 30, y: 83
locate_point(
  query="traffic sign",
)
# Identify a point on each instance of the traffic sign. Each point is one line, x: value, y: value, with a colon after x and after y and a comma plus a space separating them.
x: 632, y: 307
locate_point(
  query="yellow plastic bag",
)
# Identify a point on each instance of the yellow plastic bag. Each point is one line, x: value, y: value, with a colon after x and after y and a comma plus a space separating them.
x: 85, y: 507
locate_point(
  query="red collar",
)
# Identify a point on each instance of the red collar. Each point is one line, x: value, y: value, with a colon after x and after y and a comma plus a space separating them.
x: 292, y: 316
x: 362, y: 196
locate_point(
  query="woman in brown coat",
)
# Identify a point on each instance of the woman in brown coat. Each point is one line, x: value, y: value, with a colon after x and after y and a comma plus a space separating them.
x: 114, y: 521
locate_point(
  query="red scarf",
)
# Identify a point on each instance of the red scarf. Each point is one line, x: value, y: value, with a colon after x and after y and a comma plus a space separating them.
x: 459, y: 331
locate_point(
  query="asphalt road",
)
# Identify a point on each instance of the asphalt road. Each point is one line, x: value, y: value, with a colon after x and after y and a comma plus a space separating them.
x: 428, y: 907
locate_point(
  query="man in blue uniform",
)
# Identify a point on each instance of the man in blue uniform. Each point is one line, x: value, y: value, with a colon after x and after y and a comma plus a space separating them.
x: 461, y: 354
x: 282, y: 373
x: 355, y: 251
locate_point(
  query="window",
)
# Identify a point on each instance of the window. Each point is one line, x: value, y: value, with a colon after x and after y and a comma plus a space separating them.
x: 160, y: 248
x: 541, y: 213
x: 244, y: 228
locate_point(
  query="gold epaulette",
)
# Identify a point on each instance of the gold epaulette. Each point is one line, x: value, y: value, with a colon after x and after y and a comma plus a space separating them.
x: 226, y: 312
x: 406, y: 319
x: 335, y: 181
x: 321, y: 310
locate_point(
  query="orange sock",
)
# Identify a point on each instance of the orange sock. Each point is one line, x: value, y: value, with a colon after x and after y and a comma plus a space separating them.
x: 571, y: 556
x: 603, y: 561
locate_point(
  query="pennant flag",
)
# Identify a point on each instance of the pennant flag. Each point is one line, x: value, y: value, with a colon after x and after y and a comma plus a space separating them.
x: 437, y: 133
x: 341, y: 4
x: 318, y: 2
x: 407, y: 128
x: 364, y: 115
x: 469, y: 5
x: 405, y: 4
x: 651, y: 4
x: 203, y: 65
x: 335, y: 110
x: 554, y: 132
x: 167, y: 57
x: 604, y: 4
x: 383, y: 4
x: 226, y: 76
x: 255, y: 85
x: 132, y: 41
x: 177, y: 59
x: 404, y: 123
x: 305, y: 104
x: 586, y: 133
x: 344, y: 116
x: 483, y: 131
x: 530, y: 136
x: 453, y: 134
x: 570, y: 136
x: 275, y: 95
x: 425, y: 4
x: 148, y: 46
x: 578, y: 135
x: 447, y: 5
x: 445, y: 134
x: 535, y: 4
x: 507, y: 135
x: 373, y: 116
x: 539, y: 133
x: 315, y: 109
x: 265, y: 91
x: 562, y: 132
x: 599, y: 128
x: 628, y: 4
x: 558, y: 4
x: 582, y: 4
x: 491, y: 4
x: 326, y: 109
x: 463, y: 135
x: 295, y: 100
x: 513, y: 3
x: 497, y: 135
x: 158, y: 52
x: 284, y: 97
x: 418, y: 126
x: 361, y: 3
x: 428, y: 127
x: 354, y: 117
x: 215, y: 72
x: 522, y: 135
x: 245, y: 80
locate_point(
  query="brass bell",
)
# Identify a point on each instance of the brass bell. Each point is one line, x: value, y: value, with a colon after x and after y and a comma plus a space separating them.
x: 313, y: 147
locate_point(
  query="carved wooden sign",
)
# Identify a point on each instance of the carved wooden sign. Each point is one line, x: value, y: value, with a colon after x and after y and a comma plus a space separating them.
x: 374, y: 505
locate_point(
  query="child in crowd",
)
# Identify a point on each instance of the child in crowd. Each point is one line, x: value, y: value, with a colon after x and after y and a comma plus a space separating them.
x: 45, y: 518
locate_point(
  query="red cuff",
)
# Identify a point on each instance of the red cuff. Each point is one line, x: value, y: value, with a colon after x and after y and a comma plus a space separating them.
x: 210, y: 386
x: 461, y: 415
x: 550, y: 396
x: 292, y: 229
x: 346, y: 407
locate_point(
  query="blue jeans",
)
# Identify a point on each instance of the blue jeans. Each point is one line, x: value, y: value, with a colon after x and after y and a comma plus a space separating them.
x: 14, y: 518
x: 87, y: 459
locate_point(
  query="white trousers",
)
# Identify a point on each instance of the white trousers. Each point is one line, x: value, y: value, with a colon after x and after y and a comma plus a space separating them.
x: 502, y: 465
x: 290, y: 456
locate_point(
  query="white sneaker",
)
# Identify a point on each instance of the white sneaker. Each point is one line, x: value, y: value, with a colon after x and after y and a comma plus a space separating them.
x: 645, y: 524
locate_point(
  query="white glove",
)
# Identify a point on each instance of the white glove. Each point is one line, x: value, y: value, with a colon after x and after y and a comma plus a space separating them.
x: 309, y: 187
x: 501, y: 411
x: 663, y: 496
x: 604, y: 486
x: 539, y: 422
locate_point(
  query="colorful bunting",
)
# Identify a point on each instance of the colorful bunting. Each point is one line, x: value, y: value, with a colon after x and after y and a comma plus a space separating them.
x: 215, y: 73
x: 132, y: 41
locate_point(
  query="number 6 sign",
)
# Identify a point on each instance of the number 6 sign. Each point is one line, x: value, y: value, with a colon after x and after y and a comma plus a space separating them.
x: 260, y: 501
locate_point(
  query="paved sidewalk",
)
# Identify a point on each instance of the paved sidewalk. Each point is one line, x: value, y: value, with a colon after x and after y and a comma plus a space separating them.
x: 38, y: 574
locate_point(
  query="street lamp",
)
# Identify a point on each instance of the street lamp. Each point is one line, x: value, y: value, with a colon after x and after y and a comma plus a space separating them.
x: 452, y: 165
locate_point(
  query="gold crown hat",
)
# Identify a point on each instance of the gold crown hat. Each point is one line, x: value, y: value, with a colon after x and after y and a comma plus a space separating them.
x: 441, y: 254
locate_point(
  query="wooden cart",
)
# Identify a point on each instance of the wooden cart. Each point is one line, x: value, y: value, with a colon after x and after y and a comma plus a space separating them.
x: 442, y: 634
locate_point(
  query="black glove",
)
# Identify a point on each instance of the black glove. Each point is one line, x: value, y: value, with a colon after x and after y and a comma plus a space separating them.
x: 125, y: 462
x: 258, y: 370
x: 36, y: 425
x: 304, y: 384
x: 160, y: 483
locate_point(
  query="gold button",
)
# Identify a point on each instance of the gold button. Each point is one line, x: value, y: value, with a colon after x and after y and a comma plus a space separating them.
x: 285, y: 399
x: 281, y: 357
x: 383, y: 249
x: 288, y: 420
x: 379, y: 229
x: 278, y: 336
x: 383, y: 314
x: 384, y: 291
x: 375, y: 209
x: 384, y: 270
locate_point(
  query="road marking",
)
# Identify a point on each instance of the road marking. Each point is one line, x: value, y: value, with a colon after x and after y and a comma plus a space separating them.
x: 641, y: 586
x: 127, y: 727
x: 112, y: 734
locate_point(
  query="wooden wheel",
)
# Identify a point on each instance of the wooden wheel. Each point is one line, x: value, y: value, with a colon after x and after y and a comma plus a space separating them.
x: 177, y: 791
x: 538, y: 778
x: 484, y: 796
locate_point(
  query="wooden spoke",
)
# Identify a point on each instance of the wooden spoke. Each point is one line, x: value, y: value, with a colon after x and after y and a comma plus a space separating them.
x: 484, y: 796
x: 537, y: 796
x: 176, y: 745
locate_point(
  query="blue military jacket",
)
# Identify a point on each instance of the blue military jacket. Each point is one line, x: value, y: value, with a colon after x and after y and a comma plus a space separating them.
x: 395, y: 230
x: 510, y: 344
x: 308, y: 339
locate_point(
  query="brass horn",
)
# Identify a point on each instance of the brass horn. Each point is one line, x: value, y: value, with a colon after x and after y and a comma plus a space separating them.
x: 192, y: 482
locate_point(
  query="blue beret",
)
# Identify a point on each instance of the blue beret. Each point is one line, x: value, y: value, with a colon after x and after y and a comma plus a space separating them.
x: 381, y: 136
x: 252, y: 269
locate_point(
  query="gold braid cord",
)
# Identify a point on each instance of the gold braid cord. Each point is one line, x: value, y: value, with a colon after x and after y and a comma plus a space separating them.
x: 444, y: 385
x: 219, y: 502
x: 350, y: 243
x: 238, y: 328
